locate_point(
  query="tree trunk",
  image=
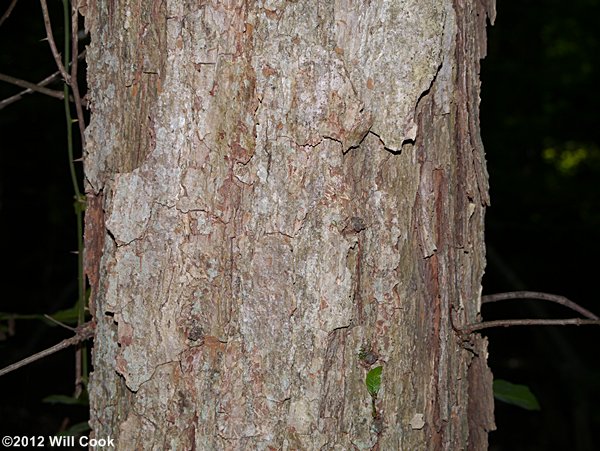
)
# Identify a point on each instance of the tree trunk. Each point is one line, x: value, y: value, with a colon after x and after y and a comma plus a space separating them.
x: 282, y: 196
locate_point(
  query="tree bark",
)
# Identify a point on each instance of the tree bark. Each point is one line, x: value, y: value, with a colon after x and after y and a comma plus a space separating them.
x: 282, y: 196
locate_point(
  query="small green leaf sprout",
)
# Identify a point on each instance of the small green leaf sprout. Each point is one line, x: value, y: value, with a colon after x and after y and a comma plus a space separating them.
x: 373, y: 383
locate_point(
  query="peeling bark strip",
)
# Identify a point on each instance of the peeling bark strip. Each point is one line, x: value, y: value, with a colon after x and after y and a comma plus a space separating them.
x: 284, y: 185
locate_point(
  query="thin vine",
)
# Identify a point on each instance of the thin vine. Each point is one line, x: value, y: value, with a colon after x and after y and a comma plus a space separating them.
x: 81, y: 364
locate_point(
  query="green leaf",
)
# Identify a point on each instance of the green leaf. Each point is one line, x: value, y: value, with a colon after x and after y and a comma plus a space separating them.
x: 77, y: 429
x: 63, y: 399
x: 518, y: 395
x: 8, y: 316
x: 373, y: 380
x: 67, y: 316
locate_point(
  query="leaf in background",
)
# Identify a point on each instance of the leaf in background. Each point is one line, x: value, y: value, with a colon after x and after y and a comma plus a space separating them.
x: 63, y: 399
x: 10, y: 316
x: 373, y: 380
x: 67, y: 316
x: 77, y: 429
x: 518, y: 395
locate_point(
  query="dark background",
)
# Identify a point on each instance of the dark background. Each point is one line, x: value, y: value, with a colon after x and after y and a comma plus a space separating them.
x: 540, y: 126
x: 37, y: 229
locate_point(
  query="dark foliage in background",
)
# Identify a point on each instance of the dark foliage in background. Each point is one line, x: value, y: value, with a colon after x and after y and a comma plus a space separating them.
x: 540, y: 127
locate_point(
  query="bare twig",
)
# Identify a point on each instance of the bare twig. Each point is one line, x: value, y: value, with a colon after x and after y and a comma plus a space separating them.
x: 529, y: 322
x: 7, y: 12
x: 592, y: 319
x: 82, y: 333
x: 31, y: 87
x: 53, y: 48
x: 78, y: 371
x: 538, y: 295
x: 34, y: 87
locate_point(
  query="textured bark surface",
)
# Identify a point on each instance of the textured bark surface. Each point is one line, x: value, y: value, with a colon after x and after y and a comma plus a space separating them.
x: 278, y: 186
